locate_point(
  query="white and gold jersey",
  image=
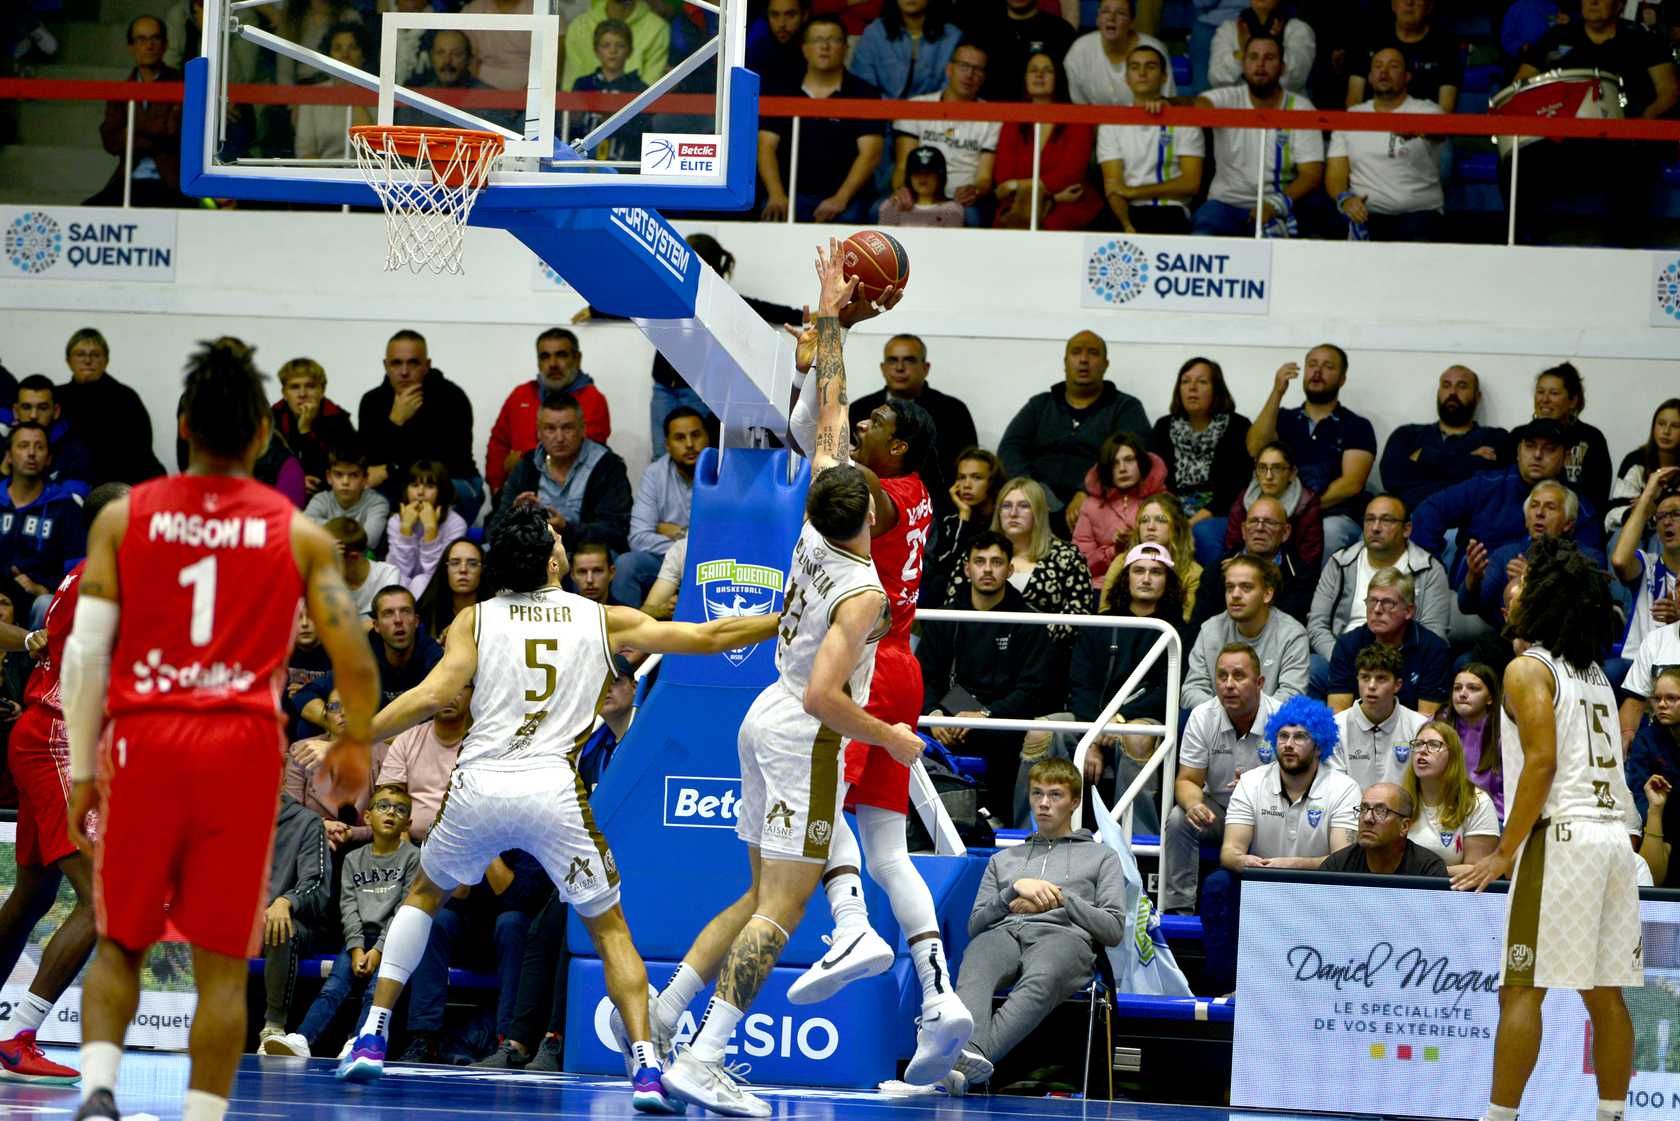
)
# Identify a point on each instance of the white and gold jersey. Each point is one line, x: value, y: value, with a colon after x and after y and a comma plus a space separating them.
x: 1590, y: 784
x: 821, y: 577
x: 543, y: 667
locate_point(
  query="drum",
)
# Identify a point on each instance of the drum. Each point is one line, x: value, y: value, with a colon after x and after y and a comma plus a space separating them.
x: 1591, y: 94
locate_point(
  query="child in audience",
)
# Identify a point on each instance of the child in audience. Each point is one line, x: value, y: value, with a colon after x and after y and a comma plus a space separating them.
x: 925, y: 175
x: 423, y: 526
x: 613, y: 43
x: 372, y: 885
x: 348, y: 495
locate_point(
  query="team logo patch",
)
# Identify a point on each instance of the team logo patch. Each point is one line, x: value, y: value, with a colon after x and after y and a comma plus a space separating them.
x: 729, y: 588
x: 580, y: 867
x: 1520, y: 956
x: 1314, y: 817
x: 818, y: 832
x: 1402, y: 752
x: 780, y: 815
x: 1450, y: 841
x: 609, y: 864
x: 1267, y: 753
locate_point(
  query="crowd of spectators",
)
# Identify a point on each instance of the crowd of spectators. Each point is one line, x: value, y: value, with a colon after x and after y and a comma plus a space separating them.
x: 1369, y: 56
x: 1344, y: 637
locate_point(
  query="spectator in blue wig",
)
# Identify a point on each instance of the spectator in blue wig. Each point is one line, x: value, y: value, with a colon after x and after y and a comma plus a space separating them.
x: 1291, y: 812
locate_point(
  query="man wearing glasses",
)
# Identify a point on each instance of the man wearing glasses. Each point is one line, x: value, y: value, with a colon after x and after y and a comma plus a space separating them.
x: 1391, y: 620
x: 1383, y: 849
x: 969, y: 147
x: 904, y: 369
x: 1265, y: 533
x: 1339, y: 602
x: 1291, y: 813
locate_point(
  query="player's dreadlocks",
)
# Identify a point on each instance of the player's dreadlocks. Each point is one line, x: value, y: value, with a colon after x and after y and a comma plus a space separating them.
x: 224, y: 401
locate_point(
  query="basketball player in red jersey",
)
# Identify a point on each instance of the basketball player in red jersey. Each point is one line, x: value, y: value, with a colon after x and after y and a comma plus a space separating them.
x: 39, y: 754
x: 891, y: 445
x: 172, y: 682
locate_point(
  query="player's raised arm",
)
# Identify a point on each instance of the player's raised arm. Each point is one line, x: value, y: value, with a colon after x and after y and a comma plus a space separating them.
x: 87, y: 662
x: 826, y: 696
x: 1529, y: 698
x: 453, y: 673
x: 628, y: 627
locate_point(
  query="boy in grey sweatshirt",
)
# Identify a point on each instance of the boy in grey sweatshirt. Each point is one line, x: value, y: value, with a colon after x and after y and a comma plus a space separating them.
x: 372, y: 884
x: 1043, y: 908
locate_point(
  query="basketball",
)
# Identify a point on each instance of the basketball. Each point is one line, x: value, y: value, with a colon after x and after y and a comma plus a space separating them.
x: 877, y: 260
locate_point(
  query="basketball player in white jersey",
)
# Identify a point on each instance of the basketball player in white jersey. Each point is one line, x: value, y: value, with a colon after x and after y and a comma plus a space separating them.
x: 1572, y: 916
x: 834, y: 612
x: 542, y: 658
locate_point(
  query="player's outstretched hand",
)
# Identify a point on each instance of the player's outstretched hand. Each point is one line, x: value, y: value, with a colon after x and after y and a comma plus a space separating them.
x: 1474, y: 877
x: 861, y: 309
x: 83, y: 797
x: 347, y: 763
x: 837, y: 288
x: 904, y: 744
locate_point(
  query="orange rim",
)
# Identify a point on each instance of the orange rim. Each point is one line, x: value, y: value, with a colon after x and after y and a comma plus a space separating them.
x: 440, y: 146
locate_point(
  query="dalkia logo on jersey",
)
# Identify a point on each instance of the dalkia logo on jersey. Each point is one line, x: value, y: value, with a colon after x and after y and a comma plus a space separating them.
x: 729, y: 588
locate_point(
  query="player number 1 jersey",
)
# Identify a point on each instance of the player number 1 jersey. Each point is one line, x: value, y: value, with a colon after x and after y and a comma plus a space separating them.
x: 821, y: 578
x: 543, y: 666
x: 1590, y: 784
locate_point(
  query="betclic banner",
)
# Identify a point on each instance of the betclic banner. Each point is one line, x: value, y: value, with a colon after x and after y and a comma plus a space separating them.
x: 1394, y: 992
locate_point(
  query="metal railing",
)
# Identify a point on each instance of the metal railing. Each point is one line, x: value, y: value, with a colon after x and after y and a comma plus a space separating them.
x: 1163, y: 760
x: 798, y: 108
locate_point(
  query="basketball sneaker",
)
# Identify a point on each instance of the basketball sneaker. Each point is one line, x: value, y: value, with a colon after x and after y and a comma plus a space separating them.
x: 941, y: 1030
x: 971, y: 1070
x: 100, y: 1106
x: 365, y: 1062
x: 853, y: 954
x: 648, y: 1094
x: 22, y: 1060
x: 712, y: 1086
x: 548, y: 1056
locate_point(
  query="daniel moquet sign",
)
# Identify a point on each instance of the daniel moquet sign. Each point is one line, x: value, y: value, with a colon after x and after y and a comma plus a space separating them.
x: 52, y: 243
x: 1134, y: 273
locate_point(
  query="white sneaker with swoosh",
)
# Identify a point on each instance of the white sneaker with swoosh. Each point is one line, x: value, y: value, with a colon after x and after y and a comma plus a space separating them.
x: 854, y: 953
x: 941, y: 1032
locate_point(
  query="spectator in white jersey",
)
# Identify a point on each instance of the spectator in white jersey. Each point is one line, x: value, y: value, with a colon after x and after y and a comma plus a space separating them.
x: 1293, y: 159
x: 1387, y: 185
x: 1150, y: 172
x: 969, y: 147
x: 1649, y: 575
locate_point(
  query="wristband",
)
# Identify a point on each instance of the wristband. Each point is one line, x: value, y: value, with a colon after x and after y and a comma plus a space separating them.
x: 1343, y: 197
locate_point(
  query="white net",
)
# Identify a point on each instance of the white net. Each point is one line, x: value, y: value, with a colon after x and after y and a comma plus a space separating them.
x: 427, y: 181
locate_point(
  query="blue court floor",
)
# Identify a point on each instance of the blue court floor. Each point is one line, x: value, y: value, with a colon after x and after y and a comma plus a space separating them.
x: 305, y: 1090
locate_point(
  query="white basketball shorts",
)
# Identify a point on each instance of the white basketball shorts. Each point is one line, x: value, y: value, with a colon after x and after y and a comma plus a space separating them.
x: 544, y: 811
x: 1572, y: 916
x: 790, y: 779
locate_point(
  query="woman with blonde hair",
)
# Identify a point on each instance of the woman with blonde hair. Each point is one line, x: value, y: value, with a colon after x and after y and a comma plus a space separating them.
x: 1161, y: 520
x: 1050, y: 573
x: 1455, y: 819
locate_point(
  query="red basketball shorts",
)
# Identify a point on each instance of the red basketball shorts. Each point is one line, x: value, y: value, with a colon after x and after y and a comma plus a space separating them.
x: 188, y: 804
x: 875, y: 778
x: 39, y: 755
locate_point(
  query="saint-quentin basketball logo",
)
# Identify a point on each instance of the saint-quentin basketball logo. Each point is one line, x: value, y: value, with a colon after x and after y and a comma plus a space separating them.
x: 1668, y: 288
x: 729, y: 588
x: 1402, y: 751
x: 1314, y: 817
x: 34, y: 242
x: 1117, y: 271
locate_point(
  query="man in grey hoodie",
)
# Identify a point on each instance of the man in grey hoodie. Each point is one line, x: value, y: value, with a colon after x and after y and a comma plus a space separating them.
x: 1043, y: 908
x: 299, y: 893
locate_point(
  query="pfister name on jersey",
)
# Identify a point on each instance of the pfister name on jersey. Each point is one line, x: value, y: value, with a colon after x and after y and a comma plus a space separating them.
x: 701, y: 802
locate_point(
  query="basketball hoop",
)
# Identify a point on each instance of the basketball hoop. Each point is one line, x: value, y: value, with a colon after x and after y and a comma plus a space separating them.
x: 427, y: 179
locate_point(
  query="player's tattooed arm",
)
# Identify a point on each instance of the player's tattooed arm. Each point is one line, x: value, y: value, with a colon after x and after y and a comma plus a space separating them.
x: 749, y: 962
x: 833, y: 443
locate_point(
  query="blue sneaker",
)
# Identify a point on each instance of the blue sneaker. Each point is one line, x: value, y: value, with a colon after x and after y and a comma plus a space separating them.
x: 649, y: 1096
x: 365, y: 1062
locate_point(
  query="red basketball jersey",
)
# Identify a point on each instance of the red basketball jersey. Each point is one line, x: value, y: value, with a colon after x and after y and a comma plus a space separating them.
x: 209, y: 593
x: 43, y: 680
x: 898, y: 553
